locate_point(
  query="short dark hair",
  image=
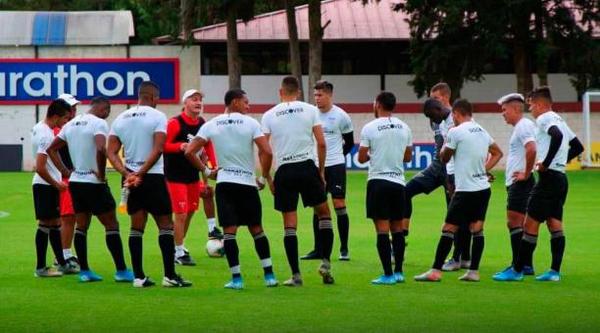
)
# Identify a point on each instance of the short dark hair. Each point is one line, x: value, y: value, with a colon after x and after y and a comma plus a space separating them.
x: 463, y: 106
x: 443, y: 87
x: 324, y: 85
x: 233, y: 94
x: 432, y: 103
x: 148, y: 84
x: 290, y: 85
x: 387, y: 100
x: 99, y: 100
x: 58, y: 107
x: 541, y: 92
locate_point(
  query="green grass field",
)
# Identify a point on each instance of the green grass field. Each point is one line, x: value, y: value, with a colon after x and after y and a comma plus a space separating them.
x: 352, y: 304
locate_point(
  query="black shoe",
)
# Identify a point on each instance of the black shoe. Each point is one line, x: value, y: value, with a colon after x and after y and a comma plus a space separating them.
x: 176, y: 282
x: 185, y: 260
x: 312, y: 255
x: 344, y: 255
x: 215, y: 234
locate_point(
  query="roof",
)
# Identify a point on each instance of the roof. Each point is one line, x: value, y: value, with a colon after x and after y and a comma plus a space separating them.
x: 66, y: 28
x: 348, y: 20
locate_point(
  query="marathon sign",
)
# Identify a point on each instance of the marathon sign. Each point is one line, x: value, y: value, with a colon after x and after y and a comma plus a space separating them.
x: 32, y: 81
x: 421, y: 158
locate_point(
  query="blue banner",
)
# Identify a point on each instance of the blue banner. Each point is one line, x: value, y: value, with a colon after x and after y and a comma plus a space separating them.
x: 422, y: 157
x: 29, y: 81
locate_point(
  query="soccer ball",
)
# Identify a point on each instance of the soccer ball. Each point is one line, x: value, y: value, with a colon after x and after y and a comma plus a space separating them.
x: 214, y: 248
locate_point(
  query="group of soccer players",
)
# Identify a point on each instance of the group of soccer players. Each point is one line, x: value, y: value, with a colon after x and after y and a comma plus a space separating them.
x: 164, y: 160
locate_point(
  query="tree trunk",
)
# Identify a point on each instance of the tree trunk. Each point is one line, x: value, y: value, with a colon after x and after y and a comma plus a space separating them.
x: 542, y: 49
x: 295, y: 58
x: 315, y: 44
x: 522, y: 68
x: 234, y: 63
x: 186, y: 18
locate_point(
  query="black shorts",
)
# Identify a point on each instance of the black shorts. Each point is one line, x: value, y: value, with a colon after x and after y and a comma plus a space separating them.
x: 432, y: 177
x: 518, y: 195
x: 293, y: 179
x: 548, y: 196
x: 238, y: 204
x: 385, y: 200
x: 335, y: 180
x: 46, y: 201
x: 468, y: 207
x: 152, y: 196
x: 91, y: 198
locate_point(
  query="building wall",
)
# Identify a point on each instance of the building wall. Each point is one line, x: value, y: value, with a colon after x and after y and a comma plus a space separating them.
x: 16, y: 121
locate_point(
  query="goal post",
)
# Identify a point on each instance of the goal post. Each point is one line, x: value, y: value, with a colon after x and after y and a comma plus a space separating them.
x: 589, y: 156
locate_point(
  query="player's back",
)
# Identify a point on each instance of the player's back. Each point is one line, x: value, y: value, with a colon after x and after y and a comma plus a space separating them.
x: 544, y: 122
x: 135, y: 128
x: 290, y: 125
x: 471, y: 144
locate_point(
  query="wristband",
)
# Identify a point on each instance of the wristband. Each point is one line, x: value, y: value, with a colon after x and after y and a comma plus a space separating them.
x: 207, y: 171
x: 261, y: 180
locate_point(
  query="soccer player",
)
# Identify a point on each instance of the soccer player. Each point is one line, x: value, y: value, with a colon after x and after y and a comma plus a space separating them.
x: 141, y: 130
x: 556, y: 145
x: 47, y: 184
x: 519, y: 165
x: 386, y: 142
x: 86, y: 137
x: 339, y: 138
x: 470, y: 145
x: 183, y: 181
x: 67, y: 213
x: 294, y: 126
x: 234, y: 135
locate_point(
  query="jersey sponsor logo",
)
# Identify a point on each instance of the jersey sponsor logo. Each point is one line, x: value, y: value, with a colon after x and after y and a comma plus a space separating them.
x: 134, y: 114
x: 83, y: 172
x: 30, y: 81
x: 479, y: 175
x: 237, y: 172
x: 132, y: 162
x: 475, y: 129
x: 80, y: 123
x: 389, y: 127
x: 229, y: 122
x: 288, y: 112
x: 295, y: 157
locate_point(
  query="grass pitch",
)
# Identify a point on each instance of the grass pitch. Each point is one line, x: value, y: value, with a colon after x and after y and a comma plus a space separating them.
x: 352, y: 304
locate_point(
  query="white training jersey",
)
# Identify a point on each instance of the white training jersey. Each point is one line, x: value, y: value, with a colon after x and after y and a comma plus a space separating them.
x: 335, y: 122
x: 470, y: 143
x: 445, y: 126
x: 41, y: 138
x: 290, y: 125
x: 232, y: 135
x: 79, y: 134
x: 523, y: 133
x: 387, y: 139
x: 135, y: 128
x: 542, y: 139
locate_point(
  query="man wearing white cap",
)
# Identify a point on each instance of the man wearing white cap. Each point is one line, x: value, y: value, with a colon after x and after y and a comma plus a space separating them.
x: 183, y: 180
x: 519, y: 167
x: 67, y: 213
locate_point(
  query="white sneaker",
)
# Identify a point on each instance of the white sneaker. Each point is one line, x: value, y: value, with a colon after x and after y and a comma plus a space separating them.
x: 143, y: 283
x: 470, y: 276
x: 451, y: 266
x: 465, y: 264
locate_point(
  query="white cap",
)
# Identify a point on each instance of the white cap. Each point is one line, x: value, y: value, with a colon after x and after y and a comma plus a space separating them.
x: 189, y: 93
x: 69, y: 99
x: 511, y: 97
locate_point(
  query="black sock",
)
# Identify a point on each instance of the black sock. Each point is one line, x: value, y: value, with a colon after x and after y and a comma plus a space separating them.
x: 261, y: 244
x: 41, y: 245
x: 478, y: 244
x: 326, y: 237
x: 290, y: 242
x: 526, y: 247
x: 457, y: 246
x: 443, y: 248
x: 80, y: 242
x: 135, y: 249
x: 315, y: 225
x: 465, y: 244
x: 557, y: 246
x: 115, y: 246
x: 515, y: 239
x: 384, y: 250
x: 405, y: 232
x: 398, y: 243
x: 167, y: 249
x: 55, y: 242
x: 232, y: 253
x: 343, y: 223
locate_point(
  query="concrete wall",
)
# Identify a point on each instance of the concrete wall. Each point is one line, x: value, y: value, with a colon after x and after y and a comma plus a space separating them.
x: 16, y: 121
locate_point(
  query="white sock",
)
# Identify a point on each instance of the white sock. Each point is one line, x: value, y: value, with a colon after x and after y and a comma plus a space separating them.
x: 179, y: 251
x: 212, y: 223
x: 67, y: 253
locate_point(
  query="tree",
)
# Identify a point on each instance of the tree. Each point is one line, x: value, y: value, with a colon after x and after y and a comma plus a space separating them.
x: 315, y: 44
x: 295, y: 57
